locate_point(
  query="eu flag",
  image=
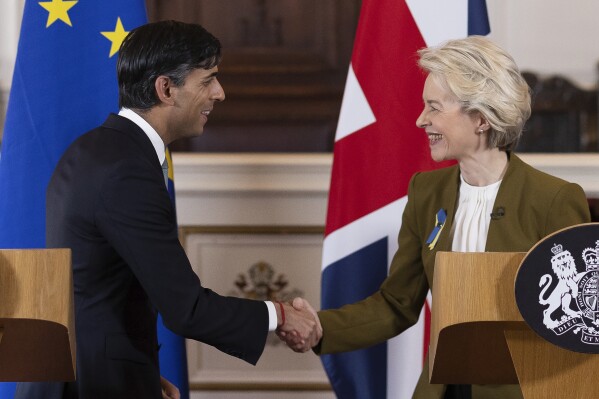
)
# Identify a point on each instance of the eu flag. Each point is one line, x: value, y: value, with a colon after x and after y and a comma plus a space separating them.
x: 64, y: 84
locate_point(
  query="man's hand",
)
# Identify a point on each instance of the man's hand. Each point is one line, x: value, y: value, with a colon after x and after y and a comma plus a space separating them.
x: 169, y: 391
x: 304, y: 330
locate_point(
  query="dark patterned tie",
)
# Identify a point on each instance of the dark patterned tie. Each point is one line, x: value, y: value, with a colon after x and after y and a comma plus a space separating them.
x: 165, y: 172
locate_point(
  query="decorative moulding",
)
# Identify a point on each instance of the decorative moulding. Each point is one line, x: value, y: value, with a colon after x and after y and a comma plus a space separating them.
x: 310, y: 173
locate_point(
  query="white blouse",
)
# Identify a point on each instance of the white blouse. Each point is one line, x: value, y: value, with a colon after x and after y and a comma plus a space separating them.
x: 473, y: 216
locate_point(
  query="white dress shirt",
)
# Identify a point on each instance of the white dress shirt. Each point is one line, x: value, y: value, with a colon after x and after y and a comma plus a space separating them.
x: 473, y: 216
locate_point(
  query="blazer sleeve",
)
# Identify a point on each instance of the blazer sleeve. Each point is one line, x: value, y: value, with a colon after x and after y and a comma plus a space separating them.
x: 135, y: 215
x: 393, y: 308
x: 568, y: 207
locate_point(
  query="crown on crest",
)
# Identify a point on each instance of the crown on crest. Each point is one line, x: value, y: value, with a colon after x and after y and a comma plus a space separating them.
x: 591, y: 257
x: 557, y: 249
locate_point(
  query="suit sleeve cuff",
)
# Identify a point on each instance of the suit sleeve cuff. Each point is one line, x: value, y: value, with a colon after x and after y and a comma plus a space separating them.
x: 272, y: 316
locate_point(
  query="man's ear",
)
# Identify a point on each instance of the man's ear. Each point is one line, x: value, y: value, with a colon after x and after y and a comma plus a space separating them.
x: 164, y: 90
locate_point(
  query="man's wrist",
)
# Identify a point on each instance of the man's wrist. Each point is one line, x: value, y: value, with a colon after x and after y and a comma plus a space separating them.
x: 273, y: 316
x: 281, y: 313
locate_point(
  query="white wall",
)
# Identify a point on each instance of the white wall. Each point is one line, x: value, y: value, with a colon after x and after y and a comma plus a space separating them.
x: 549, y: 36
x: 12, y: 11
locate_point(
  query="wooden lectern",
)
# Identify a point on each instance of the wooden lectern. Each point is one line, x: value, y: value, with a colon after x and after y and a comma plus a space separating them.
x: 479, y: 337
x: 37, y: 330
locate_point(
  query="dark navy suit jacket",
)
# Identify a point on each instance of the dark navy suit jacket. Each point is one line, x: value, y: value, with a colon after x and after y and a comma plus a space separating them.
x: 107, y: 202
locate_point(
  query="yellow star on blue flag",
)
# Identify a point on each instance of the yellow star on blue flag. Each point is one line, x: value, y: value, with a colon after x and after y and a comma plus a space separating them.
x: 116, y: 37
x: 58, y: 9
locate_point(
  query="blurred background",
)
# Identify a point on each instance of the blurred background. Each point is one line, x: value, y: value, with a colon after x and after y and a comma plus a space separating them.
x: 285, y: 64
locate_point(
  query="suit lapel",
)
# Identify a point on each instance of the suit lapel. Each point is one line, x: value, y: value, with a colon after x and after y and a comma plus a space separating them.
x: 133, y: 132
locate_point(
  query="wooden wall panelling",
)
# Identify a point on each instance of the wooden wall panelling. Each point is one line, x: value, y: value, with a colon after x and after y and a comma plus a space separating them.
x: 283, y: 70
x: 564, y: 117
x: 180, y: 10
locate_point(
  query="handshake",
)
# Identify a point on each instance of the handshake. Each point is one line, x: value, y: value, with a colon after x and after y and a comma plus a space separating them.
x: 300, y: 327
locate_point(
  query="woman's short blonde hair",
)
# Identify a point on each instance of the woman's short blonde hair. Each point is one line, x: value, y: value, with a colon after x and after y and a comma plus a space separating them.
x: 485, y: 79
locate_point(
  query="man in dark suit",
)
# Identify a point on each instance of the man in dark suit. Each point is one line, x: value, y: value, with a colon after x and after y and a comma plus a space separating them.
x: 107, y: 201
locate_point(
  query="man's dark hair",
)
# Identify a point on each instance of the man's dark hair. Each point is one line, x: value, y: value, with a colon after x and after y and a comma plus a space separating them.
x: 168, y: 48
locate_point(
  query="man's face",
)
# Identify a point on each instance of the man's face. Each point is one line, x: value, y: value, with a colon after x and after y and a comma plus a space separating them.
x: 194, y: 101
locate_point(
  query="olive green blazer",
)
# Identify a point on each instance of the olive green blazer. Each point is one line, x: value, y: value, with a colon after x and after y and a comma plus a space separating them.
x: 534, y: 204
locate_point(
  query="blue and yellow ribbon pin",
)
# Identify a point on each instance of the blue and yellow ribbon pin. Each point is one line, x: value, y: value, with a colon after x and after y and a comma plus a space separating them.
x: 439, y: 223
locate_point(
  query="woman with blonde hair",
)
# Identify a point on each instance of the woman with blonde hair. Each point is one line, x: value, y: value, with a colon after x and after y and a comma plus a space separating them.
x: 475, y: 106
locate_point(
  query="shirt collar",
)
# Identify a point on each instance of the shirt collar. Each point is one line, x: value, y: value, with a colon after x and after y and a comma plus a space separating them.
x: 148, y: 130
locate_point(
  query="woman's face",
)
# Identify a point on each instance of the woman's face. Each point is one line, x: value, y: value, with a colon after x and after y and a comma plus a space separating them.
x: 452, y: 133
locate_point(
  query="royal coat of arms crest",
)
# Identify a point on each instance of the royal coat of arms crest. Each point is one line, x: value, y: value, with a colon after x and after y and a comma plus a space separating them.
x: 565, y: 306
x: 576, y: 294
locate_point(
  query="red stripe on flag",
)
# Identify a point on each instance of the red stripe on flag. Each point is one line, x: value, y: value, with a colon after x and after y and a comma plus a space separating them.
x: 372, y: 167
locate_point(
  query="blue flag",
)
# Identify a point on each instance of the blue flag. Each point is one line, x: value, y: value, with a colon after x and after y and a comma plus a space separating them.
x: 64, y: 84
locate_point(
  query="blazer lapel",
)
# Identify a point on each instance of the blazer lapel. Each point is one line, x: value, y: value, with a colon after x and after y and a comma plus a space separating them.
x: 504, y: 202
x: 450, y: 198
